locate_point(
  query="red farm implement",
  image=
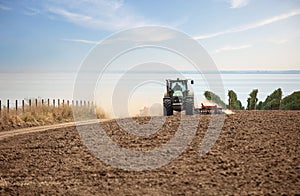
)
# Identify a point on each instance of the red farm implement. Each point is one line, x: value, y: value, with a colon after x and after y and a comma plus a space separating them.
x: 209, y: 109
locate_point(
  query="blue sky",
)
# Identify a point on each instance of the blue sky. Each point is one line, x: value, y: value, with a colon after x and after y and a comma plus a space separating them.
x: 54, y: 35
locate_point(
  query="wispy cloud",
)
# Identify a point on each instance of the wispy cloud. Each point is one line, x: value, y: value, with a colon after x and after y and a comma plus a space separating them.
x: 238, y: 3
x: 285, y: 38
x: 229, y: 48
x: 252, y: 25
x: 83, y: 41
x: 72, y: 17
x: 100, y: 14
x: 32, y: 11
x: 281, y: 41
x: 136, y: 35
x: 5, y: 8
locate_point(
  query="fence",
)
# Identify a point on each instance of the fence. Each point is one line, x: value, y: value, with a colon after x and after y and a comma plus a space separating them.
x: 20, y: 106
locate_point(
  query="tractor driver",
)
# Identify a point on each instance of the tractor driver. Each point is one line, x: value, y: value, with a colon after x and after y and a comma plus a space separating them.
x: 177, y: 87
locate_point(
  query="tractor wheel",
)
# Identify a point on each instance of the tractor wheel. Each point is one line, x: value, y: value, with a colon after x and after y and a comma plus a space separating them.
x: 189, y: 107
x: 168, y: 109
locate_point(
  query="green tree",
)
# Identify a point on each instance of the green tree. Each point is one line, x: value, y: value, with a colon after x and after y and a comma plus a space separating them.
x: 291, y: 102
x: 233, y: 102
x: 207, y: 95
x: 252, y: 100
x: 259, y: 105
x: 272, y: 102
x: 214, y: 98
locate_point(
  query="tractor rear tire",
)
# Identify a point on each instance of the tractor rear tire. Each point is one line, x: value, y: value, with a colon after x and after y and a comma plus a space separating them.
x: 189, y: 107
x: 168, y: 109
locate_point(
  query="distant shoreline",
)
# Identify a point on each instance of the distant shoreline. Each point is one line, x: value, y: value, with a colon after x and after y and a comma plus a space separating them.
x: 168, y: 72
x: 245, y: 72
x: 261, y: 72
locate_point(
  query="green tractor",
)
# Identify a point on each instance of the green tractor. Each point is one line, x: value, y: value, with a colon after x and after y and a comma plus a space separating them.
x: 178, y: 97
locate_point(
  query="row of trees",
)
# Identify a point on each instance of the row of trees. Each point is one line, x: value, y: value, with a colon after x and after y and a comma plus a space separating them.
x: 273, y: 102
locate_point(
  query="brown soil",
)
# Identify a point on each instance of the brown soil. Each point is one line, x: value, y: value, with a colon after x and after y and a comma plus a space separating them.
x: 257, y: 152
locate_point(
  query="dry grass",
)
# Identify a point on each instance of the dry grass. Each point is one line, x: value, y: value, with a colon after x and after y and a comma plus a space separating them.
x: 45, y: 115
x: 101, y: 114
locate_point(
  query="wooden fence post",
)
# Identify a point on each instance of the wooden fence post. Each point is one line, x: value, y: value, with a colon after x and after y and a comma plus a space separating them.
x: 48, y: 102
x: 23, y: 106
x: 63, y: 102
x: 53, y: 102
x: 30, y: 103
x: 36, y: 103
x: 68, y: 103
x: 58, y: 102
x: 17, y: 107
x: 42, y: 102
x: 7, y: 106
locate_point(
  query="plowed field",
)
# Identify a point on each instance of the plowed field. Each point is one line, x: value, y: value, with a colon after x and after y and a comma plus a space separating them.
x: 257, y: 152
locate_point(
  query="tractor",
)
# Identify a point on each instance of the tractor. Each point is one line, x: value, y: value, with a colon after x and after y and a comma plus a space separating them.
x: 178, y: 97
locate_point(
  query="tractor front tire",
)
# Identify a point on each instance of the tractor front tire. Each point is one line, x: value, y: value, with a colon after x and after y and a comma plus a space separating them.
x: 189, y: 107
x: 168, y: 109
